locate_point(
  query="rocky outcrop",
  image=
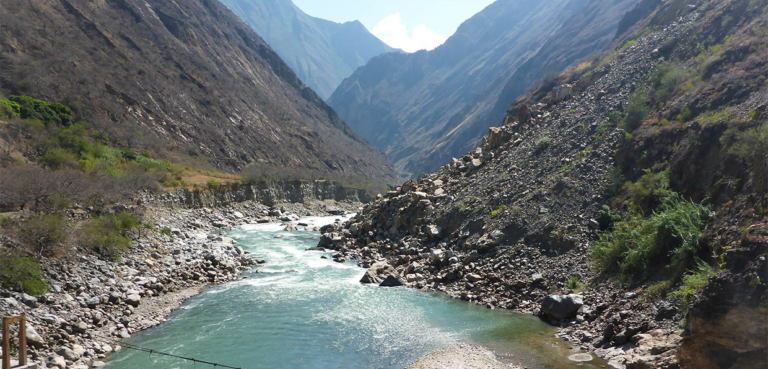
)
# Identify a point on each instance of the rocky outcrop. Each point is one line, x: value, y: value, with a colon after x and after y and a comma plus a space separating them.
x: 267, y: 193
x: 518, y: 215
x: 727, y: 326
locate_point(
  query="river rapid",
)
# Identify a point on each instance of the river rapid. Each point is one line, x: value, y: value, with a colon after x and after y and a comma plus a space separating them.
x: 302, y: 311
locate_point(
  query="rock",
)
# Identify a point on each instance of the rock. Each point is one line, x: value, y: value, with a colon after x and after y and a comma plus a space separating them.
x: 536, y: 278
x: 434, y: 231
x: 56, y: 361
x: 133, y: 300
x: 33, y: 338
x: 98, y: 364
x: 238, y: 215
x: 68, y: 353
x: 498, y: 136
x: 472, y: 277
x: 28, y: 300
x: 80, y: 327
x: 378, y: 272
x: 391, y: 281
x: 562, y: 306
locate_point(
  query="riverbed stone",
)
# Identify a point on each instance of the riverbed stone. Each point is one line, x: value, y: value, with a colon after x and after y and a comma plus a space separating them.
x: 562, y: 306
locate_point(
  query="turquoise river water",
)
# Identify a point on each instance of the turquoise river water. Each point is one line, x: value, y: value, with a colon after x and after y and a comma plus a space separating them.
x: 302, y: 311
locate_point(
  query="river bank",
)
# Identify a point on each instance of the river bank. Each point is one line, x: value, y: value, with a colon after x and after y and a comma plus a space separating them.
x: 94, y: 303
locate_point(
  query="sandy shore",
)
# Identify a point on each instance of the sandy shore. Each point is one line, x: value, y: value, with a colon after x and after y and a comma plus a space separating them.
x: 462, y: 356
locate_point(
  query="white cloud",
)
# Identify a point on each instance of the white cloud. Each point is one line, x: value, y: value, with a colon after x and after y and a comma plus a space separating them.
x: 394, y: 33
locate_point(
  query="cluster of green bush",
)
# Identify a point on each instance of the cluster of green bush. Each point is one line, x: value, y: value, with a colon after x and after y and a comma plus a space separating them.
x: 26, y: 107
x: 108, y: 234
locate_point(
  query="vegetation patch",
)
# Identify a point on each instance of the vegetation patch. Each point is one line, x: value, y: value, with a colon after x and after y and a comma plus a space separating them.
x: 668, y: 237
x: 108, y: 234
x: 22, y: 274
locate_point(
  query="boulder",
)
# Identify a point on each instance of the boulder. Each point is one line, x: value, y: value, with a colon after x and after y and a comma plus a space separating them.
x: 28, y: 300
x: 498, y: 136
x: 33, y: 338
x: 378, y: 272
x: 434, y: 231
x: 562, y: 306
x: 56, y: 361
x: 133, y: 300
x: 472, y: 277
x: 391, y: 281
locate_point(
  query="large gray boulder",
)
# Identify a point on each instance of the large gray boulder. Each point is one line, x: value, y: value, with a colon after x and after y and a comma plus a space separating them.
x: 378, y: 272
x: 391, y: 281
x: 562, y: 306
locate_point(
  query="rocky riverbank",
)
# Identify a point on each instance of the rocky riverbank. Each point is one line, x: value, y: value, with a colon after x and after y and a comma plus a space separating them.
x: 93, y: 303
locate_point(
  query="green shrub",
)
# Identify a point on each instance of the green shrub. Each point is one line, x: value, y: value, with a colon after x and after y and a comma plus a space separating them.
x: 30, y: 108
x: 44, y: 234
x: 666, y: 78
x: 212, y: 184
x: 602, y: 130
x: 614, y: 181
x: 574, y: 284
x: 55, y: 158
x: 648, y: 192
x: 542, y: 144
x: 637, y: 109
x: 669, y: 237
x: 107, y: 234
x: 8, y: 109
x: 693, y: 281
x: 166, y: 231
x: 750, y: 144
x: 22, y: 273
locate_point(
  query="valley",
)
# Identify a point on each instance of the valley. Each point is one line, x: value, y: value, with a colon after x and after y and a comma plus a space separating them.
x: 562, y: 183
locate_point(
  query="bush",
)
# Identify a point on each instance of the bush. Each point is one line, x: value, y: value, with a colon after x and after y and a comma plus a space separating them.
x: 614, y: 181
x: 44, y: 234
x: 651, y: 190
x: 637, y: 109
x: 212, y: 184
x: 55, y: 158
x: 107, y: 234
x: 574, y: 283
x: 666, y: 78
x: 166, y: 231
x: 30, y: 108
x: 8, y: 109
x: 669, y: 237
x: 693, y: 281
x: 22, y: 273
x: 543, y: 144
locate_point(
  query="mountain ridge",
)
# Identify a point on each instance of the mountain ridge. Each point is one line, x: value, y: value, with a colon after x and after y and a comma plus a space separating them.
x: 188, y: 74
x: 458, y: 87
x: 321, y: 52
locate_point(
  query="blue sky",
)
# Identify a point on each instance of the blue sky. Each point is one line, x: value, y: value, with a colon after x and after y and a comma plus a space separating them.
x: 410, y: 25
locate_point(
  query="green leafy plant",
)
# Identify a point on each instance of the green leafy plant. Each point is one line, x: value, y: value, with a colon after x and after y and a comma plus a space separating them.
x: 107, y: 234
x: 166, y: 231
x: 22, y: 273
x: 214, y: 185
x: 693, y: 281
x: 542, y: 144
x: 574, y: 284
x: 637, y: 109
x: 668, y: 237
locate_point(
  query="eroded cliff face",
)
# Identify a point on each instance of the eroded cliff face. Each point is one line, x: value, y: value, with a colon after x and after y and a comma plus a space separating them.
x: 266, y: 193
x: 185, y: 79
x: 727, y: 325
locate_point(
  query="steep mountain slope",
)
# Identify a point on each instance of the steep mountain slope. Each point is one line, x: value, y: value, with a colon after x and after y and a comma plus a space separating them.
x: 182, y: 78
x: 426, y: 107
x: 644, y: 190
x: 321, y: 52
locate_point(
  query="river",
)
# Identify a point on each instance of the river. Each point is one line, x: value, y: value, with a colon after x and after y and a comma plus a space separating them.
x: 302, y: 311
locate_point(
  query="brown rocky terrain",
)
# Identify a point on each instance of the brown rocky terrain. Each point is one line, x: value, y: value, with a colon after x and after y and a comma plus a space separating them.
x: 184, y: 79
x: 515, y: 223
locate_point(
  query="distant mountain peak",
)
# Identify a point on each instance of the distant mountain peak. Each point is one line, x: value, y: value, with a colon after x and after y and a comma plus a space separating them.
x: 321, y: 52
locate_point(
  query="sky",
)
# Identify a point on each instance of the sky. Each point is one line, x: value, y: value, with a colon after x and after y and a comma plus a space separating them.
x: 410, y: 25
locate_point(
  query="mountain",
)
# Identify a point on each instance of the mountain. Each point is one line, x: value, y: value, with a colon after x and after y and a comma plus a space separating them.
x: 623, y: 201
x: 321, y: 52
x: 182, y: 78
x: 426, y: 107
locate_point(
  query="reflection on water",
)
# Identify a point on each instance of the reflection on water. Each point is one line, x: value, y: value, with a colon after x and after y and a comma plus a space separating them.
x: 302, y: 311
